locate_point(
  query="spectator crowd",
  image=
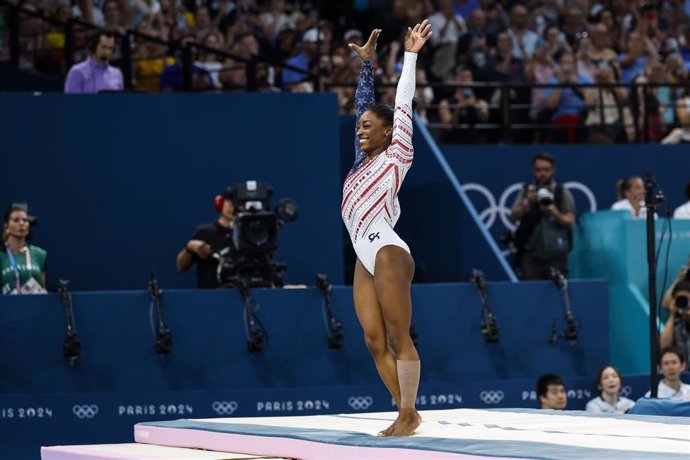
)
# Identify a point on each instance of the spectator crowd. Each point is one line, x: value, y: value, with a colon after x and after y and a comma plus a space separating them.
x: 477, y: 46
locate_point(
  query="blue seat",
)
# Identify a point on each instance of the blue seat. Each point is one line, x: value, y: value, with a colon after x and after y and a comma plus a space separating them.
x: 668, y: 407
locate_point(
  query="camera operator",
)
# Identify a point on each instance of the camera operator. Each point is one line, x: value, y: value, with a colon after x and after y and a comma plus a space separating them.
x: 676, y: 332
x: 207, y: 239
x: 546, y: 214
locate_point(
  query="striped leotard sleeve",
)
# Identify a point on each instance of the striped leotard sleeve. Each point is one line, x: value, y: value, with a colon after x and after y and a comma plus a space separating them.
x: 364, y: 100
x: 400, y: 150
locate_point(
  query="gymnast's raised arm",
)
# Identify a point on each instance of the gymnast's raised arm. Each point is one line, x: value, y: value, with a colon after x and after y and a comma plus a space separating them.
x: 364, y: 95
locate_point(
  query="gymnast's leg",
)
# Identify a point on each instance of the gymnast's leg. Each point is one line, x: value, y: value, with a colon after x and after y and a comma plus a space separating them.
x: 392, y: 281
x: 371, y: 318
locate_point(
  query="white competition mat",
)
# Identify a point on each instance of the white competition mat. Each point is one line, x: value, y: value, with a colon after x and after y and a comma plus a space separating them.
x: 445, y: 434
x: 137, y: 451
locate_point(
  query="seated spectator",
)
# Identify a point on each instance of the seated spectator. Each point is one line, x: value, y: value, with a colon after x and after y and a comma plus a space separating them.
x: 235, y: 73
x: 474, y: 45
x: 539, y: 70
x: 566, y: 102
x: 556, y: 45
x: 646, y: 111
x: 275, y: 19
x: 340, y: 73
x: 574, y: 25
x: 631, y: 193
x: 676, y: 333
x: 22, y: 265
x: 292, y: 78
x: 496, y: 17
x: 208, y: 239
x: 671, y: 366
x: 524, y: 40
x: 447, y: 27
x: 680, y: 135
x: 600, y: 49
x: 151, y: 64
x: 464, y: 108
x: 113, y: 18
x: 606, y: 113
x: 683, y: 211
x: 685, y: 49
x: 172, y: 79
x: 551, y: 392
x: 96, y: 74
x: 503, y: 67
x: 609, y: 383
x: 210, y: 61
x: 632, y: 63
x: 203, y: 26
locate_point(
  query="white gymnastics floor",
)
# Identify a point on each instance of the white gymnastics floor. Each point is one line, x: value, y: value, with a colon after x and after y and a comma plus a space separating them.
x: 446, y: 434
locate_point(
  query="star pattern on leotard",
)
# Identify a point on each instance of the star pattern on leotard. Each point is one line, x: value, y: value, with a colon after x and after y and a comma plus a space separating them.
x: 364, y: 99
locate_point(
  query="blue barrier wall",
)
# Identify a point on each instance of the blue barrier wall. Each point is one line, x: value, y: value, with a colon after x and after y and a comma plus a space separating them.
x: 108, y: 176
x: 44, y: 400
x: 120, y: 181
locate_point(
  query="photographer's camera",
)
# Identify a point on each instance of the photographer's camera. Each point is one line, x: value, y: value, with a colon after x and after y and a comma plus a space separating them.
x: 545, y: 196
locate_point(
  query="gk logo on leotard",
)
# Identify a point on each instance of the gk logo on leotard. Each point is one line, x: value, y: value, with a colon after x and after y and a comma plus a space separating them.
x: 374, y: 236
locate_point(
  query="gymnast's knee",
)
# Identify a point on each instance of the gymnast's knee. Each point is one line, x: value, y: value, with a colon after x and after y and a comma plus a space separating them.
x: 376, y: 344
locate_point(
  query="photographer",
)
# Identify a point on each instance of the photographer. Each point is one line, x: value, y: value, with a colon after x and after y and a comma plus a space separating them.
x: 546, y: 214
x: 676, y: 332
x: 207, y: 239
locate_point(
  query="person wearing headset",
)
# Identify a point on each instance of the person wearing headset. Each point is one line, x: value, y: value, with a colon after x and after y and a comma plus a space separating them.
x: 207, y: 239
x: 95, y: 74
x: 22, y: 265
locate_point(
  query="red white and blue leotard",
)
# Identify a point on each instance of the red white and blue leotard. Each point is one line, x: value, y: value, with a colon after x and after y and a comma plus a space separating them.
x: 370, y: 207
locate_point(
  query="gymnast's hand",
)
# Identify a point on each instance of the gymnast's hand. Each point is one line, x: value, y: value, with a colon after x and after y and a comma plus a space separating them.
x: 417, y: 36
x: 368, y: 51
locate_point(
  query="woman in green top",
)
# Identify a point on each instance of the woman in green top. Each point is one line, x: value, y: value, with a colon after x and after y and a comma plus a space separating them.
x: 22, y: 266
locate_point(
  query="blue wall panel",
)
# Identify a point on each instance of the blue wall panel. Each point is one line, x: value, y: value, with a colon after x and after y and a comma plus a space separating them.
x: 116, y: 333
x: 43, y: 399
x: 120, y: 181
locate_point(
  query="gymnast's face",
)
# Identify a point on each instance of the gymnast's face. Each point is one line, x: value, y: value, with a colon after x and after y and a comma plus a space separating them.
x: 374, y: 137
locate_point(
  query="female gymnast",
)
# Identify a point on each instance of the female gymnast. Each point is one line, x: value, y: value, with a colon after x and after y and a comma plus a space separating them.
x: 370, y: 209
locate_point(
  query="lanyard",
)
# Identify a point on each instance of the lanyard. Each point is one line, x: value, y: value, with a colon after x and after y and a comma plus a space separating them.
x: 16, y: 268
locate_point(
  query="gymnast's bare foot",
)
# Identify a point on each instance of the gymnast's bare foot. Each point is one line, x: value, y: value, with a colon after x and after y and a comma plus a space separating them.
x: 407, y: 422
x: 388, y: 431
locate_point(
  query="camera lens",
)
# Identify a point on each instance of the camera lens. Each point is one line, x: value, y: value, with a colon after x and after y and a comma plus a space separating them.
x: 682, y: 302
x: 545, y: 196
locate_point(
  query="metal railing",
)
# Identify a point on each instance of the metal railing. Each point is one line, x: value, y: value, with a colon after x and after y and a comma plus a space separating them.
x: 641, y: 112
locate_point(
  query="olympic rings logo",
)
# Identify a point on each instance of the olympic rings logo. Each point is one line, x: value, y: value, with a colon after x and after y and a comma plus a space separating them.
x: 625, y: 391
x: 501, y: 209
x: 85, y: 410
x: 224, y: 407
x: 492, y: 397
x: 360, y: 402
